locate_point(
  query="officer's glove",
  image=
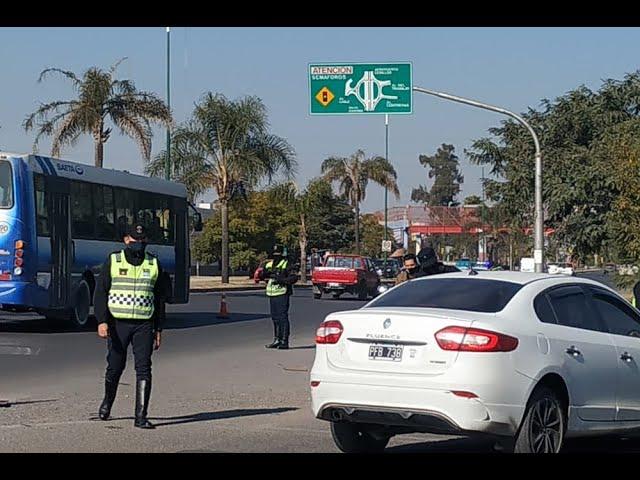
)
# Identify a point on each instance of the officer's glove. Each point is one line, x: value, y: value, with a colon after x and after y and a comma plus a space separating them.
x: 281, y: 278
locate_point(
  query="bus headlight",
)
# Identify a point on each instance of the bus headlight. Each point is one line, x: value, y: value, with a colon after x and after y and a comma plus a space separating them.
x: 17, y: 271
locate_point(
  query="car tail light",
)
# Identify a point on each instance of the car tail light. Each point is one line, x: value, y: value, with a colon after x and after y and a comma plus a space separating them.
x: 329, y: 332
x: 19, y: 261
x: 464, y: 339
x: 315, y: 383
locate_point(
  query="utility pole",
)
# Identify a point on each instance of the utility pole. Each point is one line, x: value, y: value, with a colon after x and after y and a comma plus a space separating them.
x: 167, y: 166
x: 538, y: 249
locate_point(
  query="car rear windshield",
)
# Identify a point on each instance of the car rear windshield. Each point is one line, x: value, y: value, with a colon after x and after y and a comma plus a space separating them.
x: 474, y: 295
x: 344, y: 262
x: 6, y: 185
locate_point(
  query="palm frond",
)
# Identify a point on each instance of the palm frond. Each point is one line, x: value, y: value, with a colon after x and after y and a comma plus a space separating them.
x: 70, y: 75
x: 67, y: 133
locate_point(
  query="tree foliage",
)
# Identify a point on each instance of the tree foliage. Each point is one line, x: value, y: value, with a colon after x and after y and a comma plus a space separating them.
x: 444, y: 167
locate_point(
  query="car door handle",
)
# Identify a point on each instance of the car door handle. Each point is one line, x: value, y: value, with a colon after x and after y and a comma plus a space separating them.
x: 626, y: 357
x: 573, y: 351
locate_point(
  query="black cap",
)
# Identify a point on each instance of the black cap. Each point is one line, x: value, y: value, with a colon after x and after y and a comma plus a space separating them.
x: 277, y: 250
x: 136, y: 231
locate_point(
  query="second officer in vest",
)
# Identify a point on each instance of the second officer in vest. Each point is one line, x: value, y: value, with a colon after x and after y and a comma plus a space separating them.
x: 129, y: 306
x: 279, y: 290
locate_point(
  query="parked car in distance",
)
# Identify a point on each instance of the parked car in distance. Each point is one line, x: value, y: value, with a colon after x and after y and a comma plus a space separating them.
x: 391, y: 269
x: 256, y: 274
x: 463, y: 264
x: 340, y: 274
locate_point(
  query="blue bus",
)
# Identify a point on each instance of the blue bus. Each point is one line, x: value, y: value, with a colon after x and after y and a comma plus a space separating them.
x: 59, y: 221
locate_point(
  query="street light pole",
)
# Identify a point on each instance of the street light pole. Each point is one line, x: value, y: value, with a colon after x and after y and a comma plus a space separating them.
x: 386, y: 190
x: 538, y: 249
x: 167, y: 166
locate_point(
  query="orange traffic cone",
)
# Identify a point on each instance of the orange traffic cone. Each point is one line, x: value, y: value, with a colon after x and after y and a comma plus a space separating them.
x: 223, y: 307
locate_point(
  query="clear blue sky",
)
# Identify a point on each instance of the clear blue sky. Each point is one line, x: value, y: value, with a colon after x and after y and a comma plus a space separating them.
x: 509, y: 67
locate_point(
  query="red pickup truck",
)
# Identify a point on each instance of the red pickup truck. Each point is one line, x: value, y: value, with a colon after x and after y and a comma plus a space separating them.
x: 346, y: 274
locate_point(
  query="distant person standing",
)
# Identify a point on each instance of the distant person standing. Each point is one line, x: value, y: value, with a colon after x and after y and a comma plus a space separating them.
x: 429, y: 262
x: 410, y: 269
x: 636, y: 295
x: 279, y: 291
x: 316, y: 259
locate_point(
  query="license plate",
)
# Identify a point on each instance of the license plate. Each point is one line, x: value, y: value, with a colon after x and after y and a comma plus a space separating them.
x: 381, y: 352
x: 334, y: 284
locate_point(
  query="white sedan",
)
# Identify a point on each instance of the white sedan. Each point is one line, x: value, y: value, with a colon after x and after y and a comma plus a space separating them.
x: 529, y: 359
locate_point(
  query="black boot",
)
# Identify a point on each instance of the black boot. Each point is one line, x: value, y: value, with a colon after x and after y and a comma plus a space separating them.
x: 276, y: 337
x: 110, y: 390
x: 284, y: 336
x: 143, y: 393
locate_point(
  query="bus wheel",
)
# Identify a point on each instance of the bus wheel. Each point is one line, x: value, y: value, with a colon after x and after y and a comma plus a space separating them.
x: 81, y: 305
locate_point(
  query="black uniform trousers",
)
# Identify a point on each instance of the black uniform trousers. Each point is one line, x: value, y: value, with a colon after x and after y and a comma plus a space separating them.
x: 279, y: 306
x: 138, y: 333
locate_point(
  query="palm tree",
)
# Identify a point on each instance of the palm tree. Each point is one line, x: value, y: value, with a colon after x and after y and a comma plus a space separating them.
x: 300, y: 206
x: 354, y: 174
x: 226, y: 145
x: 100, y: 97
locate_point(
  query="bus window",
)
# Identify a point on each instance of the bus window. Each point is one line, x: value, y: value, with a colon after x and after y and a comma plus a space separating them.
x: 42, y: 214
x: 6, y: 185
x: 82, y: 219
x: 104, y: 212
x: 124, y: 209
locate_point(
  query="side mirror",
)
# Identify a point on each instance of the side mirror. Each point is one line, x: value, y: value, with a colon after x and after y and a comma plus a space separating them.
x: 197, y: 226
x: 195, y: 219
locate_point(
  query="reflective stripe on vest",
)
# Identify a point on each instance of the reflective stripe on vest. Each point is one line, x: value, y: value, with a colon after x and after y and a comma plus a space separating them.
x: 131, y: 294
x: 633, y: 301
x: 275, y: 289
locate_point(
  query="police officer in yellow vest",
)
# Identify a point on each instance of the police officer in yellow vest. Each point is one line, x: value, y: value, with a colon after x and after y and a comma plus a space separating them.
x: 129, y: 306
x: 636, y: 295
x: 279, y: 290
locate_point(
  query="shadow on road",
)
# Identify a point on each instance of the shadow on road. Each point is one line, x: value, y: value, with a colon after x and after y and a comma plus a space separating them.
x: 209, y: 416
x: 203, y: 319
x: 42, y: 325
x: 305, y: 347
x: 453, y: 445
x: 29, y: 402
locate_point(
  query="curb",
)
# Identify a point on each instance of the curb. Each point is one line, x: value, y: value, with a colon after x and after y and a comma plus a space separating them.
x: 235, y: 289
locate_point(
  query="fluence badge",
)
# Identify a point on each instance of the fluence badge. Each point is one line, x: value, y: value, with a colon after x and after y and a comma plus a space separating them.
x: 123, y: 271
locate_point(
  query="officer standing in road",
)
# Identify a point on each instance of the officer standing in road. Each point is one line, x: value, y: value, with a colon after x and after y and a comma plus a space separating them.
x: 635, y: 301
x: 279, y: 290
x: 129, y: 306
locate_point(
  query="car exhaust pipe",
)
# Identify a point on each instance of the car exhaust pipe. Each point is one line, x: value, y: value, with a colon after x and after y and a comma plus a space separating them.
x: 337, y: 415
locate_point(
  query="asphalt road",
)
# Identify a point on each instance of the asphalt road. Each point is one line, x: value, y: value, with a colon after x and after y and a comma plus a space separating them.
x: 216, y: 388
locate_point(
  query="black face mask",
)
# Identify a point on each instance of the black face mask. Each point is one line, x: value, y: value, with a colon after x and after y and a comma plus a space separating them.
x: 137, y: 248
x: 413, y: 269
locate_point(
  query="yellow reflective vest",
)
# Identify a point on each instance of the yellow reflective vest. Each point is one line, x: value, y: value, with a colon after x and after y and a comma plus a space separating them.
x: 131, y: 294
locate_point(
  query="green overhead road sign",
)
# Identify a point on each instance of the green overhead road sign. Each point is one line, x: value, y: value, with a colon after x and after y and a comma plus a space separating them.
x: 346, y: 88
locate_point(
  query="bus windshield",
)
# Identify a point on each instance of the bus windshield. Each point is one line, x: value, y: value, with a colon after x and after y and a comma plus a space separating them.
x: 6, y: 185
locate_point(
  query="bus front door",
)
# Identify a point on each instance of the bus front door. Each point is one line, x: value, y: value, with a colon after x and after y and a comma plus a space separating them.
x: 58, y: 190
x: 182, y: 265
